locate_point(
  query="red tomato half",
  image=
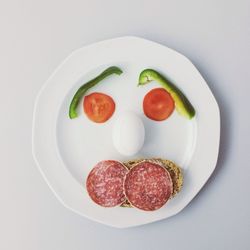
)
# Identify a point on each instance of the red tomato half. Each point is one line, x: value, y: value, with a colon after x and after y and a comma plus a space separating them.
x: 158, y: 104
x: 98, y: 107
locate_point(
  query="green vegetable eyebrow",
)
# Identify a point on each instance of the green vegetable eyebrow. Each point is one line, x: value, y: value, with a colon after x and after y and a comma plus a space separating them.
x: 85, y: 87
x: 182, y: 104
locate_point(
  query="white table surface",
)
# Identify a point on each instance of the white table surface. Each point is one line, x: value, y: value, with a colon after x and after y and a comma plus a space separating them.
x: 37, y: 35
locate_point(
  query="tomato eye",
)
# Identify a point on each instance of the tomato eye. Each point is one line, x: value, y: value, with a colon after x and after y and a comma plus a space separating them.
x: 98, y: 107
x: 158, y: 104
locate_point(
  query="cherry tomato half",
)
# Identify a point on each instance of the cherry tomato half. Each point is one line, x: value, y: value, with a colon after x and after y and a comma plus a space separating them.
x: 98, y: 107
x: 158, y: 104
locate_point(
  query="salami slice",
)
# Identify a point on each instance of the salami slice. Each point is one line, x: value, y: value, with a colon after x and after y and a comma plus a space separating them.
x: 148, y: 186
x: 105, y: 183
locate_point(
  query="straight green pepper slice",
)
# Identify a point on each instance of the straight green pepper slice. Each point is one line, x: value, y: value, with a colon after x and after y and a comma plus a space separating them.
x: 85, y: 87
x: 182, y: 104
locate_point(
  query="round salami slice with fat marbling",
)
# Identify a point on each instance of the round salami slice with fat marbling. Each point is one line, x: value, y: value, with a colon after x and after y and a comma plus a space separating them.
x: 105, y: 183
x: 148, y: 186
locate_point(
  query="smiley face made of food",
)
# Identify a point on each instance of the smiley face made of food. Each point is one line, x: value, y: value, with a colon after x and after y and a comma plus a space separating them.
x: 146, y: 184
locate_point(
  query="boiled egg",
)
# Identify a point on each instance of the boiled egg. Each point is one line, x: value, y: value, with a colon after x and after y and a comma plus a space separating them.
x: 128, y: 134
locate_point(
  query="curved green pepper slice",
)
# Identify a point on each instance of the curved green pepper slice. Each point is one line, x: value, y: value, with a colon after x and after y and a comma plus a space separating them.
x: 182, y: 104
x: 85, y: 87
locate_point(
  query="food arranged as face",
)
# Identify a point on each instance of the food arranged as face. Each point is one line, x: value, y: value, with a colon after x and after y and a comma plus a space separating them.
x: 146, y: 184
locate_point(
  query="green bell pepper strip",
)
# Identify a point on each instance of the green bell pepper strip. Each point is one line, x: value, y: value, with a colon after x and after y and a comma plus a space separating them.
x: 85, y: 87
x: 182, y: 104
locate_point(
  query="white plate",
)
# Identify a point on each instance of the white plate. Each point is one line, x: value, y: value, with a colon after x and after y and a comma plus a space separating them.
x: 65, y: 150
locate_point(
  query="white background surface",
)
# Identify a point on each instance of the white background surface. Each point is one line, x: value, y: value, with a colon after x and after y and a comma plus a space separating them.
x: 37, y: 35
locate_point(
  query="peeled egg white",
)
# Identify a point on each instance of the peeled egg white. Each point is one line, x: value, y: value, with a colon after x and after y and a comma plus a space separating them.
x: 128, y: 134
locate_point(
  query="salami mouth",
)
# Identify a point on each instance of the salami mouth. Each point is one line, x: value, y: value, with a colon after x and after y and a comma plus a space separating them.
x: 105, y: 183
x: 143, y: 184
x: 148, y: 186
